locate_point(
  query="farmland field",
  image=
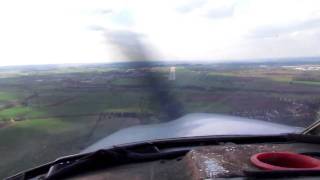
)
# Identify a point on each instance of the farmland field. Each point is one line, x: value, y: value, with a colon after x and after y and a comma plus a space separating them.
x: 51, y: 111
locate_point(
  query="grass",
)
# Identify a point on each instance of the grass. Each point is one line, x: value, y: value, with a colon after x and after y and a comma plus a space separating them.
x: 14, y: 112
x: 281, y: 79
x: 6, y: 96
x: 222, y: 74
x: 50, y: 125
x: 33, y: 142
x: 315, y: 83
x: 28, y: 143
x: 128, y: 81
x: 20, y: 111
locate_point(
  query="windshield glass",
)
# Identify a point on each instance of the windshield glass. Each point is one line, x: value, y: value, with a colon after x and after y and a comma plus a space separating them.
x: 73, y: 72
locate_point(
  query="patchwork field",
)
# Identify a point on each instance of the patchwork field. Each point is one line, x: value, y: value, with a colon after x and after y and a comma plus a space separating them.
x: 51, y: 111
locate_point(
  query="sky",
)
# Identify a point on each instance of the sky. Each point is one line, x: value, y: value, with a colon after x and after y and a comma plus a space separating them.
x: 79, y: 31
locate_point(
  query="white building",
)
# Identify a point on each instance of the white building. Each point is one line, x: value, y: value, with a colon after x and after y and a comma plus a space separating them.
x: 172, y: 74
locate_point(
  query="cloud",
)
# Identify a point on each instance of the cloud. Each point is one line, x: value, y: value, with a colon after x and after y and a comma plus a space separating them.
x: 179, y: 30
x: 103, y: 11
x: 191, y: 6
x: 208, y: 9
x: 221, y: 12
x: 123, y: 18
x: 275, y: 31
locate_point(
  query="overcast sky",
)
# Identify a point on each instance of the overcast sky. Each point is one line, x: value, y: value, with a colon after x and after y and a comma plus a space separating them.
x: 75, y: 31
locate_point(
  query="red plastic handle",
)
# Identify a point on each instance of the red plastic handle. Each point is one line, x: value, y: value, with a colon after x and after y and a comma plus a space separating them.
x: 284, y: 161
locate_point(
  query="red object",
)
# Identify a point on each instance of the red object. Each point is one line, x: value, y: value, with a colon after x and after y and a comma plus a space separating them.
x: 284, y: 161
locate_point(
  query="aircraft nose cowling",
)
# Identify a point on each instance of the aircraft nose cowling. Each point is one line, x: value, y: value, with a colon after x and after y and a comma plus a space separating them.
x: 191, y: 125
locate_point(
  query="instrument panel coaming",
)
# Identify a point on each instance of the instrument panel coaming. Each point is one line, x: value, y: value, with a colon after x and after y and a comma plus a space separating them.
x: 226, y: 160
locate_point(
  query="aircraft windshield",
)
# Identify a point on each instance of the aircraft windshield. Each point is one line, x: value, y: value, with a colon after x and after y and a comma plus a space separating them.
x: 73, y: 72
